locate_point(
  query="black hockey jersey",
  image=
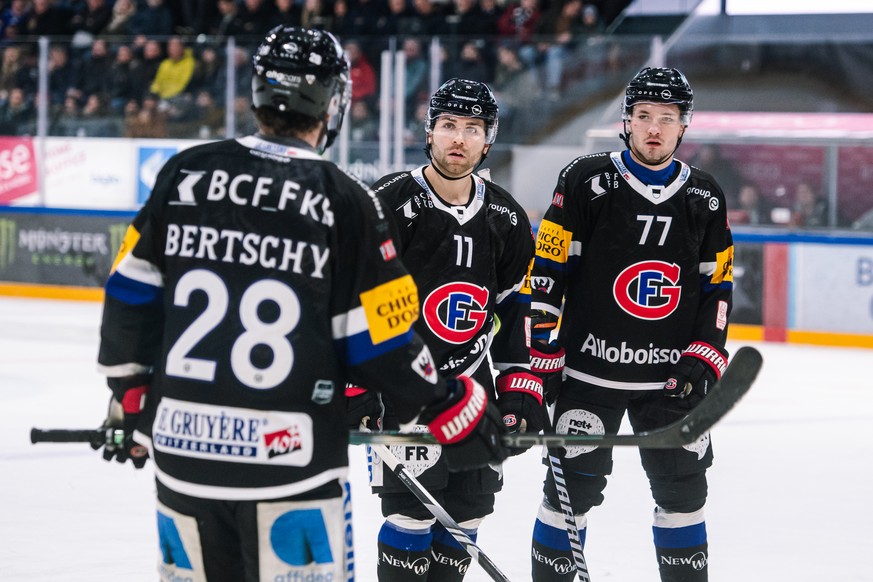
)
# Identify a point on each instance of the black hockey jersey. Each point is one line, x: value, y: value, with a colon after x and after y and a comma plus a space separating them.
x: 641, y: 271
x: 470, y: 265
x: 255, y: 282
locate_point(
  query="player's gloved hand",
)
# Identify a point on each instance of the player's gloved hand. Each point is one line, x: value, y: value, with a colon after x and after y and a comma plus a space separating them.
x: 469, y: 427
x: 699, y: 367
x: 547, y: 362
x: 364, y: 408
x: 124, y: 414
x: 520, y: 401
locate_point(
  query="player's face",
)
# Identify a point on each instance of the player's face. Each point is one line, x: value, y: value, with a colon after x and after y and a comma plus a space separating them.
x: 457, y: 144
x: 655, y: 130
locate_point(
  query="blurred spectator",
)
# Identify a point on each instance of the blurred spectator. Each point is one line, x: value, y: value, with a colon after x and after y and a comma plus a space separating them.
x: 208, y: 72
x: 48, y: 19
x: 144, y: 120
x: 91, y: 18
x: 242, y: 73
x: 287, y: 13
x: 556, y: 31
x: 751, y: 208
x: 397, y: 19
x: 122, y: 85
x: 175, y: 71
x: 119, y: 22
x: 809, y: 208
x: 14, y: 72
x: 417, y: 69
x: 229, y: 21
x: 427, y: 19
x: 591, y: 21
x: 471, y: 64
x: 364, y: 83
x: 151, y: 19
x: 518, y: 21
x: 515, y: 85
x: 364, y: 125
x: 61, y: 74
x: 193, y: 16
x: 148, y: 62
x: 256, y: 17
x: 14, y: 17
x: 206, y: 118
x: 316, y: 14
x: 15, y: 113
x: 710, y: 157
x: 95, y: 73
x: 245, y: 121
x: 467, y: 22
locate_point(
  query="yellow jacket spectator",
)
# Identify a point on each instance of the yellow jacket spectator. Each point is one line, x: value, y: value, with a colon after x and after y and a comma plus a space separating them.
x: 175, y: 71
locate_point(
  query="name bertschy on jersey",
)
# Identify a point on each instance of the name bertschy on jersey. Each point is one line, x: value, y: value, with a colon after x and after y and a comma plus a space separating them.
x: 234, y: 246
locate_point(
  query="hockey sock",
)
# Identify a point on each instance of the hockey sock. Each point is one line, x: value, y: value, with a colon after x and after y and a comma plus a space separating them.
x: 449, y: 560
x: 551, y: 557
x: 404, y: 555
x: 680, y: 545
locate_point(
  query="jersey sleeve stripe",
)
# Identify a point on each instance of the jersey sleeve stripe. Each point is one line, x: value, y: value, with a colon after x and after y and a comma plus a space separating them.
x: 132, y: 292
x: 359, y: 348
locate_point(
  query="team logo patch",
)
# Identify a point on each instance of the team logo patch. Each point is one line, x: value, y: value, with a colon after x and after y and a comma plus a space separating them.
x: 542, y: 284
x: 455, y: 312
x: 578, y: 421
x: 648, y: 290
x: 699, y: 446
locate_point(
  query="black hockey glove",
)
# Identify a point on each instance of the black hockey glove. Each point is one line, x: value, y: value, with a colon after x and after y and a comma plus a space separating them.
x: 699, y: 367
x: 547, y: 362
x: 520, y: 400
x: 467, y: 425
x: 364, y: 408
x: 125, y: 405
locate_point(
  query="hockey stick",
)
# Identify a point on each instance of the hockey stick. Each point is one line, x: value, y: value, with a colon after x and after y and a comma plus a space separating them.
x: 569, y: 518
x: 438, y: 512
x: 734, y: 383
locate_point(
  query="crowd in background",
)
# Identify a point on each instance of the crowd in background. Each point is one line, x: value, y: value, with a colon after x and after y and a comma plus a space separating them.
x: 157, y: 68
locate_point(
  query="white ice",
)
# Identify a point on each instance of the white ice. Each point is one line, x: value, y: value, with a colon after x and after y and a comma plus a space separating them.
x: 790, y: 491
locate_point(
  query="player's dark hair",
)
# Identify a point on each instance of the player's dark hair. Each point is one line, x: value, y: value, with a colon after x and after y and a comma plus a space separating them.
x: 285, y: 123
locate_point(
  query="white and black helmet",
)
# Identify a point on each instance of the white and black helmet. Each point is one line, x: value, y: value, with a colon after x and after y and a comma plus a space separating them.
x: 305, y: 71
x: 659, y: 85
x: 465, y: 98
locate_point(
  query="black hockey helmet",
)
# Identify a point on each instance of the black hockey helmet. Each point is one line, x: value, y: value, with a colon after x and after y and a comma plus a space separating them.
x: 465, y: 98
x: 305, y: 71
x: 659, y: 85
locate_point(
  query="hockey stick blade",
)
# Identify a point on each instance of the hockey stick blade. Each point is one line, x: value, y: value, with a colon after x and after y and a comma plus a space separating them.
x: 733, y: 385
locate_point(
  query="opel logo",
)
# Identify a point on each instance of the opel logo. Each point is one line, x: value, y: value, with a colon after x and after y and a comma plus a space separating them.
x: 665, y: 94
x: 477, y: 110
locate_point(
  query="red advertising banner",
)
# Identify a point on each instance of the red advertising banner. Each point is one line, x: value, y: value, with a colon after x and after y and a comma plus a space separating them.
x: 18, y: 171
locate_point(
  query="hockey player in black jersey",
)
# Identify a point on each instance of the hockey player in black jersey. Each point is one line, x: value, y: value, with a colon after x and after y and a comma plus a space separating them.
x: 468, y: 245
x: 256, y: 281
x: 635, y: 256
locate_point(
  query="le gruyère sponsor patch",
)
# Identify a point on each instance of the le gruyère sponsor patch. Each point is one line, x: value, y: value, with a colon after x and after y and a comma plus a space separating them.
x: 390, y: 308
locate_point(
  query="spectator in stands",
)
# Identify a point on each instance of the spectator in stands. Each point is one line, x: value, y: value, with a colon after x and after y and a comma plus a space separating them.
x: 428, y: 19
x: 151, y: 19
x: 61, y: 74
x: 515, y: 85
x: 287, y: 13
x: 751, y: 208
x: 122, y: 84
x: 364, y: 127
x: 206, y: 118
x: 47, y: 19
x: 556, y: 32
x: 471, y: 64
x: 208, y: 72
x: 14, y: 72
x: 175, y: 71
x: 316, y: 14
x: 229, y: 22
x: 591, y: 21
x: 14, y: 17
x: 17, y: 114
x: 809, y: 208
x: 417, y: 69
x: 149, y: 59
x: 257, y: 18
x: 95, y: 74
x: 397, y: 19
x: 364, y: 82
x: 91, y: 18
x: 518, y: 22
x: 710, y: 156
x: 119, y: 22
x: 144, y: 120
x: 194, y: 16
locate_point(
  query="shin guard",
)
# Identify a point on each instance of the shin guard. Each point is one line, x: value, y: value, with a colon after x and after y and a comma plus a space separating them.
x: 551, y: 556
x: 449, y: 560
x: 680, y: 545
x: 403, y: 555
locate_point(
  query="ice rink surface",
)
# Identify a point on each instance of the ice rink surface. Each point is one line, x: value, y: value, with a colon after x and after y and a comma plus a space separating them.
x: 790, y: 492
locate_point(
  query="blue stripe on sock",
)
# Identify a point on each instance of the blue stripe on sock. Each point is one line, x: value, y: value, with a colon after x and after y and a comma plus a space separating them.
x: 442, y: 536
x: 402, y: 539
x: 680, y: 537
x: 553, y: 537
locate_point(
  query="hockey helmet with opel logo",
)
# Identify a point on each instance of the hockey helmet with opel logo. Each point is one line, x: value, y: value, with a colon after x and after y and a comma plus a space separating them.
x: 465, y: 98
x: 659, y: 85
x: 304, y: 71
